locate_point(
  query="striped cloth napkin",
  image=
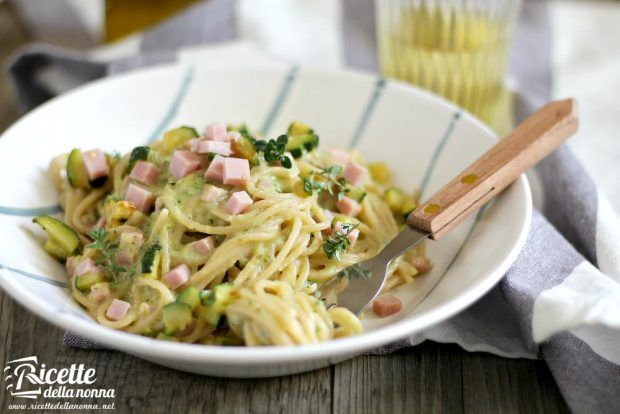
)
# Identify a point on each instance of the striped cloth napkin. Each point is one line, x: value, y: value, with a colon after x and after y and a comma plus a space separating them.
x: 559, y: 301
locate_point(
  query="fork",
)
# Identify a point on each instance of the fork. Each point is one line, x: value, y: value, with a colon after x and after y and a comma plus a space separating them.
x: 530, y: 142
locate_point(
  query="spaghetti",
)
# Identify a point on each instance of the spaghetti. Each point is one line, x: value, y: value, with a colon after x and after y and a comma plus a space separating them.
x: 174, y: 241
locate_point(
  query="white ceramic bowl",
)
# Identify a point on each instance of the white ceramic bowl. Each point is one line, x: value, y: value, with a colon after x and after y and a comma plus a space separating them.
x: 425, y: 139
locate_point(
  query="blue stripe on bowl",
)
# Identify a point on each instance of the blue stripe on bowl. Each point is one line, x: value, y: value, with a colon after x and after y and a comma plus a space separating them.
x: 173, y: 108
x: 35, y: 276
x: 438, y: 150
x: 29, y: 212
x: 367, y: 113
x: 277, y: 105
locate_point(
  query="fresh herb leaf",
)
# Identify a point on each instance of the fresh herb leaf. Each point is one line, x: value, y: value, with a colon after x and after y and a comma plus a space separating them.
x: 273, y: 150
x: 338, y: 242
x: 107, y: 250
x: 325, y: 180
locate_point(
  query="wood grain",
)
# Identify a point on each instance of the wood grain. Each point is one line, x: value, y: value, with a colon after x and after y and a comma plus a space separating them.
x: 431, y: 378
x: 496, y: 169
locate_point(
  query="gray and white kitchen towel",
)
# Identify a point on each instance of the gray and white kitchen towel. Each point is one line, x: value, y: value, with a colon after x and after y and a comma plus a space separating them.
x: 559, y: 301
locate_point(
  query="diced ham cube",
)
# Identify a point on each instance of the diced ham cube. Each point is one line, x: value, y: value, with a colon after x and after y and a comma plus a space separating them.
x: 352, y: 235
x: 239, y: 202
x: 329, y: 217
x: 71, y: 263
x: 203, y: 246
x: 192, y: 145
x: 118, y: 310
x: 339, y: 156
x: 129, y: 245
x: 233, y: 136
x: 214, y: 147
x: 183, y: 163
x: 236, y: 171
x: 131, y: 239
x: 349, y: 206
x: 142, y: 198
x: 213, y: 194
x: 96, y: 164
x: 354, y: 173
x: 124, y: 258
x: 216, y: 132
x: 145, y: 172
x: 421, y: 264
x: 85, y: 266
x: 99, y: 291
x: 178, y: 276
x: 215, y: 172
x: 386, y: 305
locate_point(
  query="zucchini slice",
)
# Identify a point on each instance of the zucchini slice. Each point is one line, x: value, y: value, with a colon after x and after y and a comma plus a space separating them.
x: 408, y: 206
x: 62, y: 240
x: 76, y: 172
x: 395, y: 199
x: 150, y: 261
x: 379, y: 171
x: 86, y: 281
x: 298, y: 128
x: 137, y: 154
x: 214, y: 303
x: 174, y: 138
x: 189, y: 296
x: 244, y: 148
x: 298, y: 144
x: 176, y: 316
x: 357, y: 194
x: 165, y: 337
x: 301, y: 138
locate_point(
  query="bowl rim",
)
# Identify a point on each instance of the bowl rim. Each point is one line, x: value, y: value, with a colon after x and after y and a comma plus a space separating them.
x: 148, y: 347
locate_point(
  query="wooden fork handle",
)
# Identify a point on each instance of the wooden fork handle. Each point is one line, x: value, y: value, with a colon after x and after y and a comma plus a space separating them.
x: 524, y: 147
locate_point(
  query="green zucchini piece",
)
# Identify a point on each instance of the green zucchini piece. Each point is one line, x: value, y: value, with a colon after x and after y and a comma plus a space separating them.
x: 357, y: 194
x: 176, y: 316
x: 62, y: 240
x: 54, y: 248
x: 174, y: 138
x: 215, y: 302
x: 379, y: 171
x: 76, y: 172
x: 165, y: 337
x: 190, y: 296
x: 86, y: 281
x: 138, y: 154
x: 394, y: 199
x: 150, y: 261
x: 244, y: 148
x: 297, y: 128
x: 298, y: 144
x: 408, y: 206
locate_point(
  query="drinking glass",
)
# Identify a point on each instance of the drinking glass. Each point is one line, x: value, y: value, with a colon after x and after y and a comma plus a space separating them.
x: 455, y: 48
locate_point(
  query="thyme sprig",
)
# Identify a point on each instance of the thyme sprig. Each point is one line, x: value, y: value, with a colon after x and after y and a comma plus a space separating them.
x: 107, y: 251
x: 338, y: 242
x: 274, y: 150
x: 326, y: 180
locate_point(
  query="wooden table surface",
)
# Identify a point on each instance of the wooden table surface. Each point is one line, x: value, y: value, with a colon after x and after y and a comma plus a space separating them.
x: 427, y: 378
